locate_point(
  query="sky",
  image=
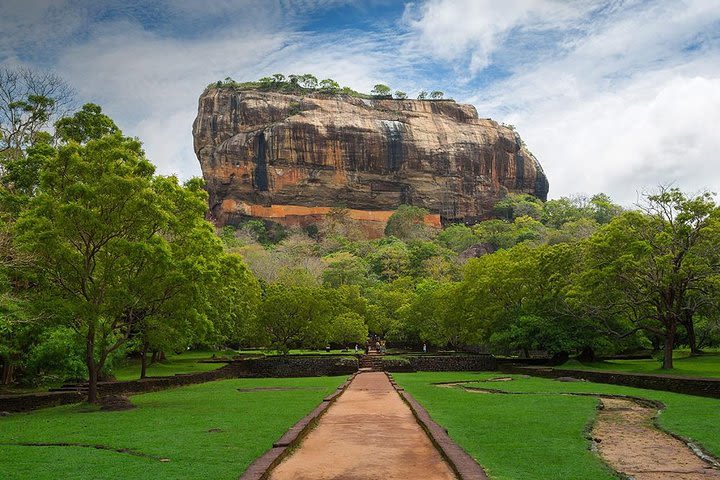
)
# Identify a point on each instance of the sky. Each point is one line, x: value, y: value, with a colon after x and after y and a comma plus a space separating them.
x: 614, y: 96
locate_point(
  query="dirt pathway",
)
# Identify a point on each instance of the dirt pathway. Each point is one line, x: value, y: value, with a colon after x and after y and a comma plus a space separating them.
x: 368, y: 433
x: 632, y: 445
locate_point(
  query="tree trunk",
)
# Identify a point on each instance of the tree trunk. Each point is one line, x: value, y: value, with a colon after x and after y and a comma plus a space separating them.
x: 157, y: 356
x: 143, y: 360
x: 656, y: 343
x: 8, y: 371
x: 91, y: 365
x: 692, y: 338
x: 587, y: 355
x: 669, y: 345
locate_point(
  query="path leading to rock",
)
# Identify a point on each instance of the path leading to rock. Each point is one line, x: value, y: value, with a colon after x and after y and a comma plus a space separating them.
x: 632, y: 445
x: 368, y: 433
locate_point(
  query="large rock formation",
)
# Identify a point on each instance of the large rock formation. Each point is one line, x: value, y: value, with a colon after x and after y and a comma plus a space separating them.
x: 291, y: 158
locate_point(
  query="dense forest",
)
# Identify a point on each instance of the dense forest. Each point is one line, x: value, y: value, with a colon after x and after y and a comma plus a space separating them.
x: 101, y: 258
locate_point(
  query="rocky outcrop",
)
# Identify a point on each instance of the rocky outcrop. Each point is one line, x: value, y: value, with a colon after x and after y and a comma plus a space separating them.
x: 292, y: 158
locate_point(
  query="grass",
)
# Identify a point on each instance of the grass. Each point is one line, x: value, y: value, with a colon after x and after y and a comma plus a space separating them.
x: 543, y: 435
x: 186, y: 362
x: 707, y: 365
x: 172, y: 424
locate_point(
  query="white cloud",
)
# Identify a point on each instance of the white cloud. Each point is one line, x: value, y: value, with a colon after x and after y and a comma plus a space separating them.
x: 150, y: 84
x: 629, y: 140
x: 36, y: 28
x: 610, y: 96
x: 626, y: 98
x: 453, y: 29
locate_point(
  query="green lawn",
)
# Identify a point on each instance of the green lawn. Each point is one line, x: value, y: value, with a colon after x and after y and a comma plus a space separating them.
x: 542, y: 435
x: 707, y: 365
x: 186, y: 362
x: 171, y: 424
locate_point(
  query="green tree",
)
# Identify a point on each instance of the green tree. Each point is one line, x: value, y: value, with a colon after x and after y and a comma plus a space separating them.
x: 457, y: 237
x: 603, y: 209
x: 29, y: 100
x: 294, y: 316
x: 436, y: 316
x: 233, y: 297
x: 344, y: 268
x: 16, y: 328
x: 309, y: 81
x: 89, y: 123
x: 348, y: 298
x: 337, y: 225
x: 436, y: 94
x: 558, y: 212
x: 381, y: 90
x: 498, y: 233
x: 384, y: 303
x: 266, y: 82
x: 572, y: 231
x: 422, y: 95
x: 390, y: 260
x: 408, y: 223
x: 96, y: 208
x: 400, y: 95
x: 516, y: 205
x: 22, y: 175
x: 215, y: 291
x: 494, y: 287
x: 348, y: 328
x: 116, y: 244
x: 329, y: 86
x: 516, y: 299
x: 646, y: 265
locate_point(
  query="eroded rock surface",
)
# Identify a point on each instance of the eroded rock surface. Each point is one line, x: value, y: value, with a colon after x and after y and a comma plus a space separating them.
x: 292, y: 158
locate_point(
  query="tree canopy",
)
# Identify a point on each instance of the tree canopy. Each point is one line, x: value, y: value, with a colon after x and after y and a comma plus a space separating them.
x: 125, y: 251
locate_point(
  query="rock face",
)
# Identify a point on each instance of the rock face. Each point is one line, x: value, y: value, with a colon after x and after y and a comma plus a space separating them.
x: 291, y: 158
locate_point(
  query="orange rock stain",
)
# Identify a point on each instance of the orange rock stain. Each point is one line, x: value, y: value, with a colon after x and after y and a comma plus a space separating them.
x: 300, y: 215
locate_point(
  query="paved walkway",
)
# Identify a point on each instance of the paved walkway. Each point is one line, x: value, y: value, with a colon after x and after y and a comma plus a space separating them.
x: 368, y: 433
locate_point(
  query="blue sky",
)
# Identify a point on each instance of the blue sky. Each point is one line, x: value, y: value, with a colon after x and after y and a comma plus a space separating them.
x: 613, y: 96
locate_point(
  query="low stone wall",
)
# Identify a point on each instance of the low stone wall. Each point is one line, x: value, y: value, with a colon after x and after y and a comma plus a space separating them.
x: 705, y: 387
x: 521, y: 361
x: 397, y: 365
x: 441, y: 363
x: 248, y: 368
x: 160, y: 383
x: 295, y: 366
x: 31, y: 401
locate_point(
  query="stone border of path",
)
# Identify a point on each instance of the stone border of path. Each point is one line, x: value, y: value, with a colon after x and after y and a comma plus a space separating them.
x: 259, y: 469
x: 464, y: 466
